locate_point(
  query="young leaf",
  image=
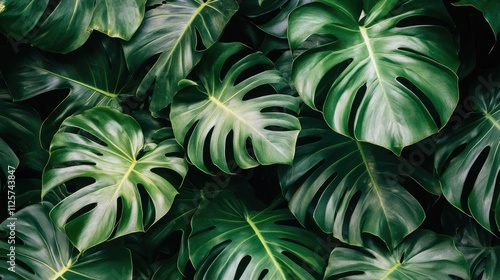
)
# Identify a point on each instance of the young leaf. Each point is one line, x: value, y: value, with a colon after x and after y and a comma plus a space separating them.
x: 471, y: 155
x: 108, y: 146
x: 389, y: 76
x: 171, y: 30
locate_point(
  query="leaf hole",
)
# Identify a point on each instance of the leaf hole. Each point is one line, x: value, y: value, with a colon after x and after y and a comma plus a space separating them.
x: 423, y: 98
x: 252, y: 71
x: 170, y: 175
x: 92, y: 138
x: 472, y: 176
x: 76, y: 184
x: 259, y: 91
x: 250, y: 149
x: 84, y: 210
x: 327, y: 80
x: 232, y: 60
x: 199, y: 41
x: 119, y: 215
x: 263, y: 274
x: 349, y: 212
x: 360, y: 94
x: 147, y: 205
x: 458, y: 150
x: 242, y: 266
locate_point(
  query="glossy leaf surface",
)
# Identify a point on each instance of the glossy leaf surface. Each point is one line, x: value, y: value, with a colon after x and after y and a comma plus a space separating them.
x: 387, y: 77
x: 206, y: 115
x: 118, y: 162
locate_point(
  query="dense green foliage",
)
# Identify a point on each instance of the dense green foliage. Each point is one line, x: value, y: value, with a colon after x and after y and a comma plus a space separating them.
x: 250, y: 139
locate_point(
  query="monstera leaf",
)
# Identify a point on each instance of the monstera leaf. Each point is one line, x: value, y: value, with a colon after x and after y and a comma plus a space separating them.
x: 229, y: 240
x: 216, y: 115
x: 422, y: 255
x: 96, y: 75
x: 43, y: 252
x: 489, y: 8
x: 279, y: 9
x: 108, y: 146
x: 387, y: 78
x: 481, y: 249
x: 171, y: 30
x: 470, y: 156
x: 19, y: 129
x: 352, y: 187
x: 64, y: 26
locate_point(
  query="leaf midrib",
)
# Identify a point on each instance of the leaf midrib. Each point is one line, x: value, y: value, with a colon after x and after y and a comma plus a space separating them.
x: 375, y: 185
x: 266, y: 247
x: 108, y: 94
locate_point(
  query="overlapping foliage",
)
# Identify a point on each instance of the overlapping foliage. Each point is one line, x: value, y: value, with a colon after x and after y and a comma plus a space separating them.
x: 251, y: 139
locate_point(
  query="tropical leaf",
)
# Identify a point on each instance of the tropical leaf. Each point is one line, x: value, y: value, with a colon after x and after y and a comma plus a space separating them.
x: 470, y: 156
x: 422, y: 255
x: 277, y: 25
x: 229, y: 241
x: 43, y: 252
x: 352, y: 187
x: 489, y: 8
x: 119, y: 161
x: 217, y: 109
x: 96, y: 75
x: 19, y: 132
x: 481, y: 249
x: 387, y: 78
x: 177, y: 44
x: 64, y: 26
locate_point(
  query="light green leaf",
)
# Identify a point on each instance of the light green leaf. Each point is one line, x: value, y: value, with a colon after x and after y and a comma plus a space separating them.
x: 217, y: 113
x: 171, y: 30
x: 422, y: 255
x: 470, y: 156
x: 353, y: 188
x: 228, y: 238
x: 108, y: 146
x: 387, y: 78
x: 489, y: 8
x: 46, y: 253
x: 96, y: 75
x: 68, y: 24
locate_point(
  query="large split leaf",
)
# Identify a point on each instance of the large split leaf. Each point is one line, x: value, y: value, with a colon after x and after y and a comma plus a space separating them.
x: 352, y: 187
x: 64, y: 26
x: 171, y: 30
x: 468, y: 159
x: 108, y: 146
x: 489, y: 8
x: 46, y: 253
x: 228, y: 240
x: 215, y: 116
x: 19, y: 131
x: 422, y: 255
x: 96, y: 75
x: 387, y: 78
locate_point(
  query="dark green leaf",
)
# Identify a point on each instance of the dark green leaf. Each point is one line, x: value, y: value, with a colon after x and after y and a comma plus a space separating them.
x: 489, y: 8
x: 353, y: 187
x: 46, y: 253
x: 225, y: 232
x: 470, y: 156
x: 64, y: 26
